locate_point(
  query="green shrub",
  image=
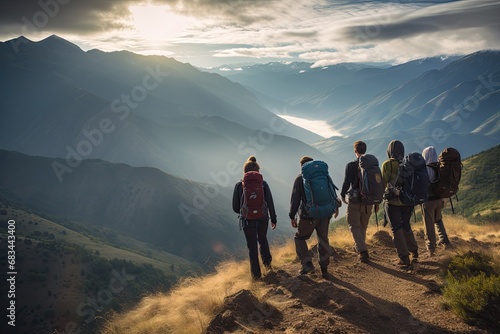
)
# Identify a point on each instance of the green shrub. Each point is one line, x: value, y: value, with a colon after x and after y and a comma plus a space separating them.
x: 475, y: 299
x: 472, y: 290
x: 470, y: 264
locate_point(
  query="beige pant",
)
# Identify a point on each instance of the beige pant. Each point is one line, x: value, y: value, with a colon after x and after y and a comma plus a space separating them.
x: 358, y: 216
x: 433, y: 220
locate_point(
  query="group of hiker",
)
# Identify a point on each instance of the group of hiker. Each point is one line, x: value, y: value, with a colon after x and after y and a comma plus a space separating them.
x: 399, y: 185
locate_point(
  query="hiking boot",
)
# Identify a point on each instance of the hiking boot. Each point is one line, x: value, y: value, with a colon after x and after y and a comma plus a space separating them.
x: 414, y: 256
x: 404, y: 261
x: 444, y: 245
x: 363, y: 257
x: 431, y: 251
x: 307, y: 268
x: 324, y: 272
x: 268, y: 267
x: 256, y: 278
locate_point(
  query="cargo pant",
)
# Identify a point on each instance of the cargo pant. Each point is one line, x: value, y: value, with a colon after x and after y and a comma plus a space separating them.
x: 433, y: 220
x: 399, y: 218
x: 305, y: 228
x: 358, y: 216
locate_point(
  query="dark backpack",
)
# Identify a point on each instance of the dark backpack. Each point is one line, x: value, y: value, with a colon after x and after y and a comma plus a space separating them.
x: 254, y: 205
x: 448, y: 173
x: 371, y: 187
x: 413, y: 180
x: 321, y: 195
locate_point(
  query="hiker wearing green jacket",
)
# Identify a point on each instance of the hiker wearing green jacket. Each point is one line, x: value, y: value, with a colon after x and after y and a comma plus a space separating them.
x: 396, y: 213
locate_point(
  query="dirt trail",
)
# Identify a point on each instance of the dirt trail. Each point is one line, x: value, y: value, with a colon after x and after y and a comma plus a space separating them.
x: 376, y: 297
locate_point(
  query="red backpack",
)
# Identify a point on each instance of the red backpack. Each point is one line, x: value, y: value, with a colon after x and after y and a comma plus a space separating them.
x: 254, y: 204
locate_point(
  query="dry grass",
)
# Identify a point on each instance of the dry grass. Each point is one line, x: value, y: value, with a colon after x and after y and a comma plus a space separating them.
x: 193, y: 303
x: 189, y: 307
x: 460, y: 227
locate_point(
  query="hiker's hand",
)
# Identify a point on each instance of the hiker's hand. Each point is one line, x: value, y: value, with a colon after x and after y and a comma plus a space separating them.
x: 376, y: 208
x: 336, y: 213
x: 273, y: 225
x: 294, y: 223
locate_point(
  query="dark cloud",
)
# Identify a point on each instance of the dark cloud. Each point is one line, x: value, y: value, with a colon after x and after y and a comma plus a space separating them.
x: 449, y: 17
x: 90, y: 16
x: 80, y: 16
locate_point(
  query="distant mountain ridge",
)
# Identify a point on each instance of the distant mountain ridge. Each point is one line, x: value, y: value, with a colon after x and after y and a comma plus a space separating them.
x: 137, y: 93
x: 439, y: 101
x: 143, y: 203
x: 309, y: 91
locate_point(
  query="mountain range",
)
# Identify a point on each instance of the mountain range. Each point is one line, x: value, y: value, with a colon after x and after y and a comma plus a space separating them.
x: 440, y: 101
x: 68, y: 105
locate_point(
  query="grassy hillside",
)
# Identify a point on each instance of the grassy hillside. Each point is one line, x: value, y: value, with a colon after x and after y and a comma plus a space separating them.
x: 479, y: 195
x: 68, y: 278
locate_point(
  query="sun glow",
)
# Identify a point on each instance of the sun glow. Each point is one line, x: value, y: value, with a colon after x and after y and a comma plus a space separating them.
x: 155, y: 22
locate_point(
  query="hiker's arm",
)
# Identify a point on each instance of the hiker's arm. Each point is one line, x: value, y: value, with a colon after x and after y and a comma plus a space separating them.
x: 386, y: 172
x: 237, y: 197
x: 347, y: 182
x: 270, y: 203
x: 296, y: 198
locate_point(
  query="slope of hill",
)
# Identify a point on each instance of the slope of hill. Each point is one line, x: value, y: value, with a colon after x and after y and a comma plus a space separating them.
x: 62, y: 270
x: 377, y: 297
x: 144, y: 203
x: 479, y: 198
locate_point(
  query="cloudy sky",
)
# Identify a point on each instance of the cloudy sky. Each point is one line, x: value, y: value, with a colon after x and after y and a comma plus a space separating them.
x: 214, y: 32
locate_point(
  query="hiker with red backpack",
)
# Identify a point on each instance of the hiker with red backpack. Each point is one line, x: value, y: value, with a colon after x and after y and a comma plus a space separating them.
x: 397, y: 208
x: 364, y: 190
x: 315, y: 201
x: 253, y: 201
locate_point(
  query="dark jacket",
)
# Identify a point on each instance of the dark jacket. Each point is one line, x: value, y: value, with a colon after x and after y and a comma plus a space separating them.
x: 298, y: 200
x: 351, y: 179
x: 238, y: 195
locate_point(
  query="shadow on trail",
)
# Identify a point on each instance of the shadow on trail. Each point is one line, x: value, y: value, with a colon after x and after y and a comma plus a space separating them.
x: 358, y: 307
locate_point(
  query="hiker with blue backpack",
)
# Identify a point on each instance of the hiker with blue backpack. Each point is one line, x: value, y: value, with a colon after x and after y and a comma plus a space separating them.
x: 314, y: 201
x: 362, y: 191
x: 253, y: 201
x: 399, y: 201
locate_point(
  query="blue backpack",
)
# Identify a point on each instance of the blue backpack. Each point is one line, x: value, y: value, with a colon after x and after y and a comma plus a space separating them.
x: 321, y: 195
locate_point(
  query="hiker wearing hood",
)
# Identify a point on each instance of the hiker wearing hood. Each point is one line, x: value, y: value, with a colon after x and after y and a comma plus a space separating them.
x: 432, y: 208
x: 396, y: 213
